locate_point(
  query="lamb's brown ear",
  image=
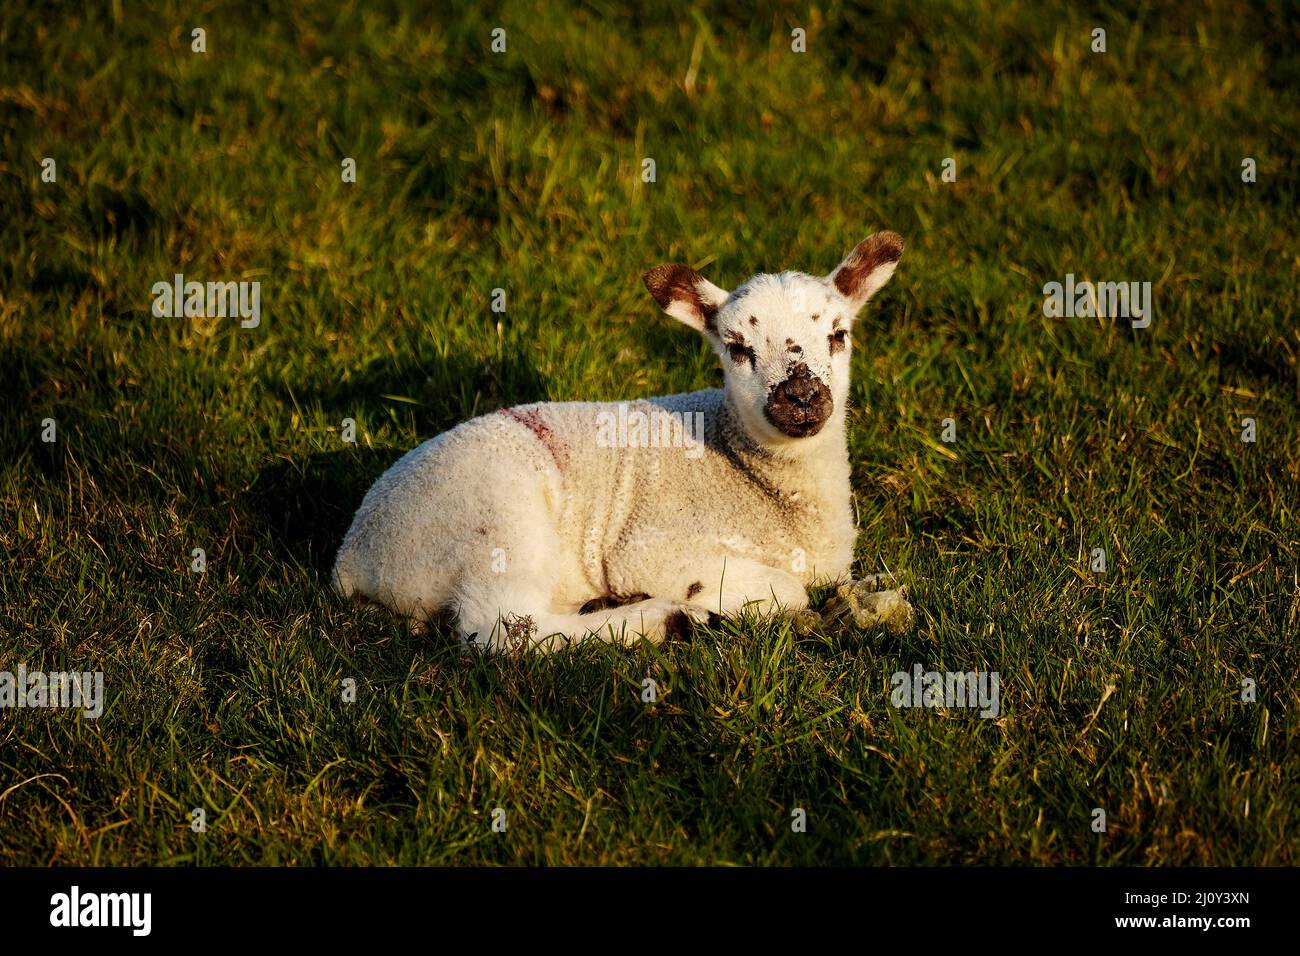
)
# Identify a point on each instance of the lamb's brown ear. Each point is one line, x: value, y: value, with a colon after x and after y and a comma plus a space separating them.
x: 868, y: 267
x: 686, y: 295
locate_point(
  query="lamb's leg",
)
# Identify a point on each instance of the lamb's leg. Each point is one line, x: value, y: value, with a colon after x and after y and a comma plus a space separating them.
x: 734, y: 585
x: 505, y: 598
x: 525, y: 622
x: 727, y: 586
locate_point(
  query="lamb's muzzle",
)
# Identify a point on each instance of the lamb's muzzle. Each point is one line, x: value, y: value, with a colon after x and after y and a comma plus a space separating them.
x: 800, y: 405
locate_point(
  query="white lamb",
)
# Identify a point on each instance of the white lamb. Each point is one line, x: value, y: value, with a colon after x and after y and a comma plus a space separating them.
x: 522, y: 521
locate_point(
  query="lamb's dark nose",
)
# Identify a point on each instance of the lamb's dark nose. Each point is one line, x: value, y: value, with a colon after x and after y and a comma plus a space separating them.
x: 801, y: 390
x: 800, y: 405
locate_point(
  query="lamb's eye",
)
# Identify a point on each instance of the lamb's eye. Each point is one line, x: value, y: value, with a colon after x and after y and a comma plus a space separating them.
x: 839, y: 339
x: 740, y: 353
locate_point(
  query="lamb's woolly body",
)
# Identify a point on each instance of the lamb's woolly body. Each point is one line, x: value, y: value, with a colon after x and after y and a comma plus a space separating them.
x: 517, y: 519
x: 617, y: 521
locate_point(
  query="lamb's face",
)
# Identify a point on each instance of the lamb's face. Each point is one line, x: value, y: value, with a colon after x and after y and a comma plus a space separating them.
x: 783, y: 339
x: 784, y: 343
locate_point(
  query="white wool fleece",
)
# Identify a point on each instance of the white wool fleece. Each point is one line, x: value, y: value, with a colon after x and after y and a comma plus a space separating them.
x: 656, y: 512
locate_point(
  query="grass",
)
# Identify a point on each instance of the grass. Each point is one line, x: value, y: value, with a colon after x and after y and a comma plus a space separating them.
x: 521, y: 171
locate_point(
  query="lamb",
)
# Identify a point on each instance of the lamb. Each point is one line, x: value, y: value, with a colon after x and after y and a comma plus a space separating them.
x: 536, y: 531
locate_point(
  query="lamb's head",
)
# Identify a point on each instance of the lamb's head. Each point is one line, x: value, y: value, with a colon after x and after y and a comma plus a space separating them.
x: 784, y: 339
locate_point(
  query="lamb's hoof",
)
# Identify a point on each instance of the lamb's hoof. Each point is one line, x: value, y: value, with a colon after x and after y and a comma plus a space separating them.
x: 857, y: 604
x: 678, y: 626
x: 805, y: 621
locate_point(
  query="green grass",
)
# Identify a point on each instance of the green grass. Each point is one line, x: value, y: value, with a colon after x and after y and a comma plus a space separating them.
x: 522, y: 171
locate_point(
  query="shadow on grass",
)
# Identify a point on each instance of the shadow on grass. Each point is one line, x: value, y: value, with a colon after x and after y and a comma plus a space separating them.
x: 307, y: 502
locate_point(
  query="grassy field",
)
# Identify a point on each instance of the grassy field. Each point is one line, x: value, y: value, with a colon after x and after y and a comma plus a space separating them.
x: 522, y: 170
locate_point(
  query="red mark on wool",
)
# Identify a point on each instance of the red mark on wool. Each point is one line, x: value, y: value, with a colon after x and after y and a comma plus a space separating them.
x: 531, y: 419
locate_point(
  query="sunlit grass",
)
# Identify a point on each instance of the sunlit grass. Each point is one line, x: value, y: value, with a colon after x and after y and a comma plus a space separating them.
x: 522, y: 171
